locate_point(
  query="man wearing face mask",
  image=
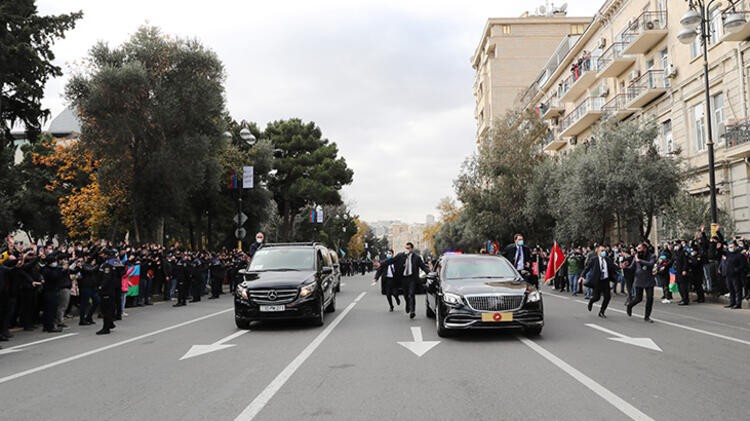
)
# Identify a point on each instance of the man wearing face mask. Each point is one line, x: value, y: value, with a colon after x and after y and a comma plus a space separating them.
x: 680, y: 266
x: 520, y: 257
x: 387, y: 275
x: 643, y: 265
x: 602, y: 271
x: 736, y: 267
x: 257, y: 245
x: 407, y: 266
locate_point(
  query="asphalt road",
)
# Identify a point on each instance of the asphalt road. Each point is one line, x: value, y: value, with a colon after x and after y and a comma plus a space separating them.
x: 353, y: 368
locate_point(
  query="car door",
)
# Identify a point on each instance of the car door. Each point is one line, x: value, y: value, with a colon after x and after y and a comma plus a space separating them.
x: 432, y: 286
x: 326, y: 279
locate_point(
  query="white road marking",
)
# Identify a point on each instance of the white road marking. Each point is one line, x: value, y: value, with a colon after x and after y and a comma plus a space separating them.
x: 107, y: 347
x: 619, y: 337
x: 260, y: 401
x: 616, y: 401
x: 197, y: 350
x: 21, y: 347
x: 419, y: 347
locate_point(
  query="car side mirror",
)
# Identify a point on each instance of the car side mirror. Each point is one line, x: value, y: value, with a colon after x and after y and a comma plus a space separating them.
x: 327, y: 270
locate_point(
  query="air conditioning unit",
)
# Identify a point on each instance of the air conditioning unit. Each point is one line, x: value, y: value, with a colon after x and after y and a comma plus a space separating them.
x: 635, y: 74
x: 671, y: 71
x: 602, y: 43
x: 573, y: 140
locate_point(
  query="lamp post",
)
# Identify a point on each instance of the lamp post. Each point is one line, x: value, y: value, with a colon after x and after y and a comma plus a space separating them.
x: 247, y: 136
x: 696, y: 22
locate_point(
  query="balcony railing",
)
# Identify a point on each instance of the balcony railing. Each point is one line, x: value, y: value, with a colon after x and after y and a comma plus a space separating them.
x: 550, y: 109
x: 588, y: 106
x: 737, y: 133
x: 644, y: 32
x: 612, y: 62
x: 580, y: 79
x: 647, y: 87
x: 618, y: 106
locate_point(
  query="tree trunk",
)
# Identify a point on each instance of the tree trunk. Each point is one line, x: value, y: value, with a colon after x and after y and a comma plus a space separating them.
x: 160, y: 231
x: 286, y: 227
x: 136, y: 229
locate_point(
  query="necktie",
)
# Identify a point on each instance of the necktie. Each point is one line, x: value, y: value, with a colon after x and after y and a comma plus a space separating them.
x: 603, y: 267
x: 407, y: 266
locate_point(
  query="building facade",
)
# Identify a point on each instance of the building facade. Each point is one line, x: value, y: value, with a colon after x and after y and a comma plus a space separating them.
x: 629, y: 64
x: 510, y: 54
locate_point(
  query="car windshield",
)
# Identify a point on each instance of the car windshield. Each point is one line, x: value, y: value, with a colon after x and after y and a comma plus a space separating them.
x: 479, y: 267
x: 283, y: 259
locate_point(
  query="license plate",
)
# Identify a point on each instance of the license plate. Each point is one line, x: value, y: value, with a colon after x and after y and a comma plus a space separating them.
x: 272, y: 308
x: 497, y: 317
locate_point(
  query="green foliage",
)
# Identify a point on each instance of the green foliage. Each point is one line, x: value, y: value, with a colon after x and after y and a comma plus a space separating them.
x: 308, y: 169
x: 685, y: 214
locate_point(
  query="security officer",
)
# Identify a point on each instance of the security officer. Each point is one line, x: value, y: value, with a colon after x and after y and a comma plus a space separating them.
x: 109, y: 288
x: 182, y: 275
x: 218, y: 273
x: 680, y: 266
x: 196, y: 276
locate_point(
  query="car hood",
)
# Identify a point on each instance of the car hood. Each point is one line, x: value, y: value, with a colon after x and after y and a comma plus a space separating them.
x: 271, y: 279
x: 485, y: 286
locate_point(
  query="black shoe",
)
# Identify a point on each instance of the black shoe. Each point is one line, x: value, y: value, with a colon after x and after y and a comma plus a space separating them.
x: 391, y: 308
x: 411, y: 315
x: 28, y: 329
x: 602, y: 315
x: 149, y: 303
x: 648, y: 320
x: 195, y: 301
x: 103, y: 332
x: 179, y: 305
x: 630, y: 311
x: 55, y: 330
x: 591, y: 305
x: 682, y: 303
x: 8, y: 335
x: 212, y: 298
x: 700, y: 300
x: 111, y: 326
x: 84, y: 323
x: 729, y: 306
x: 4, y: 339
x: 398, y: 302
x: 118, y: 317
x: 62, y: 325
x: 739, y: 307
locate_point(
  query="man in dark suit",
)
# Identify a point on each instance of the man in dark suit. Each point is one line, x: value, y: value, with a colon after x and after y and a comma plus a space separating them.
x: 387, y: 275
x: 602, y: 271
x: 520, y: 257
x: 407, y: 266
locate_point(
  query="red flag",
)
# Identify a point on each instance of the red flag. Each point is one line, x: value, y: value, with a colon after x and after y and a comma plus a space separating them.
x: 556, y: 259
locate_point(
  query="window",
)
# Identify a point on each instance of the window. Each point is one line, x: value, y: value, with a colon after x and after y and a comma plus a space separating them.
x: 699, y: 125
x: 577, y: 29
x: 717, y: 115
x: 666, y: 131
x: 506, y: 29
x: 717, y: 26
x: 695, y: 47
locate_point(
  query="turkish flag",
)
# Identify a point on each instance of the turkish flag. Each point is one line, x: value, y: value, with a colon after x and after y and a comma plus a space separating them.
x: 556, y: 259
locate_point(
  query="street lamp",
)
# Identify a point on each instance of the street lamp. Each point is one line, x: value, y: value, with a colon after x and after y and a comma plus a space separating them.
x: 696, y: 23
x: 247, y: 136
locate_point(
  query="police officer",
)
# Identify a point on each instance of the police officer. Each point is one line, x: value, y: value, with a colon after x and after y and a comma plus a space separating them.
x: 196, y: 278
x: 181, y: 273
x: 680, y: 266
x: 109, y: 289
x: 218, y: 273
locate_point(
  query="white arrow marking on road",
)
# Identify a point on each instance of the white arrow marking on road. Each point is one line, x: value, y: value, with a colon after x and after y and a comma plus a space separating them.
x: 18, y: 348
x: 642, y: 342
x: 418, y: 346
x: 197, y: 350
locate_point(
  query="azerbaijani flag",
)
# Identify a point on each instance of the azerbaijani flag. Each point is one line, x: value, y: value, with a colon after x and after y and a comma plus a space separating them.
x: 232, y: 179
x: 312, y: 216
x: 134, y: 279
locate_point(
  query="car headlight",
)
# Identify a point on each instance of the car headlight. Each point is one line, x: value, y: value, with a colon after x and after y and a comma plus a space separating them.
x: 242, y: 292
x: 451, y: 299
x: 533, y: 296
x: 307, y: 290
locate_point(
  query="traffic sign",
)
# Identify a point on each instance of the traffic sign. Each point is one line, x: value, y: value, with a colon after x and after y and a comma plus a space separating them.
x: 240, y: 219
x: 240, y: 233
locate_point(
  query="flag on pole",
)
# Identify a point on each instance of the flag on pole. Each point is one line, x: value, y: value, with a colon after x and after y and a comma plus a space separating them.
x: 556, y: 259
x: 232, y: 179
x: 312, y: 216
x: 133, y: 275
x: 343, y: 253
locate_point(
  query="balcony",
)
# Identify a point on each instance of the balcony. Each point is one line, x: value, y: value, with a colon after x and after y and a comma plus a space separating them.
x: 553, y: 142
x: 612, y: 62
x: 645, y: 32
x: 737, y: 138
x: 647, y: 88
x: 577, y: 83
x: 617, y: 107
x: 740, y: 34
x: 551, y: 109
x: 583, y: 116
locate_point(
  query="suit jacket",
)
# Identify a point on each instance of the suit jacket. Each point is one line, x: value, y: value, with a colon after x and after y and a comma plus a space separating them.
x: 509, y: 252
x: 593, y: 268
x: 382, y: 271
x: 399, y: 264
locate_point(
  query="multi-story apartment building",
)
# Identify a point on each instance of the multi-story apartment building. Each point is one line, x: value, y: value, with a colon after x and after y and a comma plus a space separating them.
x: 629, y: 64
x: 509, y: 55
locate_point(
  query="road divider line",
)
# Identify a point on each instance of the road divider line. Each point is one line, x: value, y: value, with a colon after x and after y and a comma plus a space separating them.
x: 260, y: 401
x: 107, y: 347
x: 614, y: 400
x: 43, y: 341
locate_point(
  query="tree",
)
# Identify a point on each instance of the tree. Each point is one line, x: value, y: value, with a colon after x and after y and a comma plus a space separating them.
x: 492, y: 183
x: 356, y: 247
x: 309, y: 171
x: 152, y: 113
x: 685, y: 214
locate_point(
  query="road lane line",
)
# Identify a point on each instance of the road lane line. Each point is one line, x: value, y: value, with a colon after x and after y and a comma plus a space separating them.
x: 614, y: 400
x: 260, y: 401
x: 104, y: 348
x: 42, y: 341
x: 605, y: 330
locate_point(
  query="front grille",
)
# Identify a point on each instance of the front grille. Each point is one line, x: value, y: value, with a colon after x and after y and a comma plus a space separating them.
x: 263, y: 296
x: 495, y: 302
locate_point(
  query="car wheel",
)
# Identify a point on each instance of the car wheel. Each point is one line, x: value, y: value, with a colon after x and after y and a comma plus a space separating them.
x: 320, y: 318
x: 430, y: 313
x: 332, y: 306
x: 442, y: 331
x: 242, y: 324
x: 533, y: 331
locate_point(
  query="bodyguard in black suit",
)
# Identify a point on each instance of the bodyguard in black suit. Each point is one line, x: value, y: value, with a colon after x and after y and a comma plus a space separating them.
x: 602, y: 271
x: 520, y: 257
x: 407, y: 267
x: 387, y: 275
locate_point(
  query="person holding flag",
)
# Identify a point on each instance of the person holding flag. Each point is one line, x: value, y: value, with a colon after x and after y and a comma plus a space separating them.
x: 556, y: 261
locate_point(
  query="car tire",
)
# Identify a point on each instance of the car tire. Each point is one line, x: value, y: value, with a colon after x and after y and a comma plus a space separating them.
x: 430, y: 313
x: 242, y: 324
x: 320, y: 319
x: 442, y: 331
x: 533, y: 331
x: 332, y: 306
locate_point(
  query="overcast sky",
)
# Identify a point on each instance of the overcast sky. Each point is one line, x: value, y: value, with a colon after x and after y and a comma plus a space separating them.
x: 389, y: 81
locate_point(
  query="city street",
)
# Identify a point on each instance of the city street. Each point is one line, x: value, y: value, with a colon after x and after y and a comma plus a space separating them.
x: 192, y: 363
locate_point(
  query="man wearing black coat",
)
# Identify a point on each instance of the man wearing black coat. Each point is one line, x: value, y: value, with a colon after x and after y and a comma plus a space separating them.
x: 387, y: 275
x: 53, y: 276
x: 520, y: 257
x: 407, y: 267
x: 602, y: 271
x: 109, y: 289
x: 680, y: 266
x: 736, y: 269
